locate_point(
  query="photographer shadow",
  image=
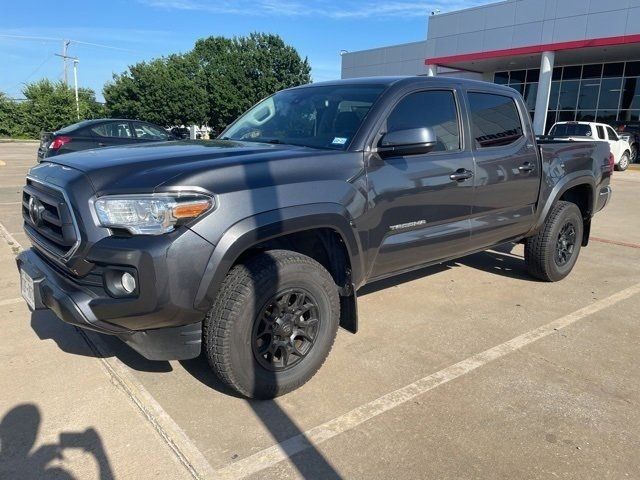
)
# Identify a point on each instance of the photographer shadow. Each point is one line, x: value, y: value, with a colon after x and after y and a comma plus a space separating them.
x: 18, y: 459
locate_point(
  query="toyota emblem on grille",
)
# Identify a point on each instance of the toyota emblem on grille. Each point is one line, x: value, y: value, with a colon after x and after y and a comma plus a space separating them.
x: 35, y: 211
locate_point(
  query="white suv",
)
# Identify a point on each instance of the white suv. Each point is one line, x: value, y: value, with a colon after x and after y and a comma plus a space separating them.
x: 578, y: 131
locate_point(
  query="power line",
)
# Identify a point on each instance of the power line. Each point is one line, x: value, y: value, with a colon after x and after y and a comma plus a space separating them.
x: 79, y: 42
x: 49, y: 57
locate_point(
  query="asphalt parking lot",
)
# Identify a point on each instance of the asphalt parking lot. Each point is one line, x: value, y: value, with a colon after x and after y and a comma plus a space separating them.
x: 470, y: 369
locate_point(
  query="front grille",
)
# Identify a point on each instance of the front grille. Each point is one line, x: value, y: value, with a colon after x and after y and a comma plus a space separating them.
x: 48, y: 219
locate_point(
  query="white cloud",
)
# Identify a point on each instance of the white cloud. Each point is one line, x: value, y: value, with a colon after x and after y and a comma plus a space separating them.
x: 321, y: 8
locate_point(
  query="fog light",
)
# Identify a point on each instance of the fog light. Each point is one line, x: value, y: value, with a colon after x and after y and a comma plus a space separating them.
x: 128, y: 282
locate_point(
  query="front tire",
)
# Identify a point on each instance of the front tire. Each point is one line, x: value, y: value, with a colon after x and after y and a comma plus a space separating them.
x: 273, y: 324
x: 623, y: 164
x: 551, y: 254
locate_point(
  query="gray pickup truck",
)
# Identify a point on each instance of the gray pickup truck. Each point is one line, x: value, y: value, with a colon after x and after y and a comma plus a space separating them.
x: 252, y: 247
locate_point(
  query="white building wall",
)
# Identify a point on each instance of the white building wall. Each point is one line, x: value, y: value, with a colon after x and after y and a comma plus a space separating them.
x: 498, y: 26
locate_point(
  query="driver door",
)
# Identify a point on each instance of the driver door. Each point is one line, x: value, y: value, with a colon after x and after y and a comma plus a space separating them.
x: 419, y: 213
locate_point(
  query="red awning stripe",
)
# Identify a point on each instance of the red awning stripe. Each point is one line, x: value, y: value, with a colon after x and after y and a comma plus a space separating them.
x: 533, y: 49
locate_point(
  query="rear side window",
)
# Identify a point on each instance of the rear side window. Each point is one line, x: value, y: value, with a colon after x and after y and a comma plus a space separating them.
x: 114, y: 129
x: 571, y: 130
x: 494, y: 119
x: 600, y: 131
x: 149, y: 132
x: 435, y: 109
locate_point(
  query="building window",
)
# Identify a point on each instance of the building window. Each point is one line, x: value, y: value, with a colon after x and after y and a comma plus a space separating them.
x: 604, y: 91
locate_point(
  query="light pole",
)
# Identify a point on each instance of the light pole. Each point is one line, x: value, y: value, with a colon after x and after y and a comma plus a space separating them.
x: 75, y: 82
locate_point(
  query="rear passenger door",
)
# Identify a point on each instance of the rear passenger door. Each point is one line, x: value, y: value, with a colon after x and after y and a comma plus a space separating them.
x: 111, y: 134
x: 507, y: 179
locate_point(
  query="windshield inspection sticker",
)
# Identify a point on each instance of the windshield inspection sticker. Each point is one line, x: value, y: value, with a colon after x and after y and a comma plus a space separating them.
x: 339, y: 141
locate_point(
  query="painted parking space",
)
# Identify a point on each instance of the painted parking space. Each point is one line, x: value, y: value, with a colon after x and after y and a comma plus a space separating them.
x: 424, y: 327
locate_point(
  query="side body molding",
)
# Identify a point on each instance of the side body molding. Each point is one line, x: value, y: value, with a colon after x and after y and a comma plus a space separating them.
x: 267, y: 225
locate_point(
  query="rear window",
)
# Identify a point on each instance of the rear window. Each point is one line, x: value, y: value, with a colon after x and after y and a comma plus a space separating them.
x: 495, y: 120
x: 72, y: 127
x: 571, y: 130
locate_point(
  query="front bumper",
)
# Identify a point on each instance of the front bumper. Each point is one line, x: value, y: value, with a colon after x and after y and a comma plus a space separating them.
x: 160, y: 321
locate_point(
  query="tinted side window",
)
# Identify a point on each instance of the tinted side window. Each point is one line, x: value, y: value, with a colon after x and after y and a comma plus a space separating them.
x: 600, y: 132
x: 114, y: 129
x: 612, y: 134
x: 435, y: 109
x: 149, y: 132
x: 494, y: 120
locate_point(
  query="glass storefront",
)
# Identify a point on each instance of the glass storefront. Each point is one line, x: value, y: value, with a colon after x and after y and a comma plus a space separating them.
x: 602, y: 92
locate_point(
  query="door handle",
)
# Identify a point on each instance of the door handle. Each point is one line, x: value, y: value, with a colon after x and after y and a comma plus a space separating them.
x: 526, y: 167
x: 461, y: 174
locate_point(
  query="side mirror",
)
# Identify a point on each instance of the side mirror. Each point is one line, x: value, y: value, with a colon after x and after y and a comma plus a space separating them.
x: 413, y: 141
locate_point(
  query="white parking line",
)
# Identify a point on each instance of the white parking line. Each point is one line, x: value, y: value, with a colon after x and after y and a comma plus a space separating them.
x: 11, y: 301
x: 8, y: 237
x: 350, y: 420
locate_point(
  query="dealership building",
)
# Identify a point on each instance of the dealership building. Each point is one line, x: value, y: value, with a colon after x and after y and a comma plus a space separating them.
x: 570, y: 59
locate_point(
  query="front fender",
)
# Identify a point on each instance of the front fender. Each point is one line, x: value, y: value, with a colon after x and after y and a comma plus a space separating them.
x: 267, y: 225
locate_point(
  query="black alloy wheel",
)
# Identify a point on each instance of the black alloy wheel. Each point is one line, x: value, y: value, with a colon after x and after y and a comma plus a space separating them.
x: 286, y: 329
x: 565, y: 244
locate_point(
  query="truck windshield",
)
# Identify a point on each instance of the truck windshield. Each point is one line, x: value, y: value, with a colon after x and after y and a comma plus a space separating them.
x: 571, y: 130
x: 318, y: 117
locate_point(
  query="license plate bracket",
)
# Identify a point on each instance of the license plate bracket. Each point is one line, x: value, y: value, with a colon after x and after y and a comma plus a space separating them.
x: 27, y: 289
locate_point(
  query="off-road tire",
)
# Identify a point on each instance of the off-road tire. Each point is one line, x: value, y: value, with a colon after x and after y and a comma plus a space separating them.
x: 540, y: 250
x: 228, y: 327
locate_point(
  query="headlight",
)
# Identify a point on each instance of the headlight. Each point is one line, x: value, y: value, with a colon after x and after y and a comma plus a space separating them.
x: 152, y: 214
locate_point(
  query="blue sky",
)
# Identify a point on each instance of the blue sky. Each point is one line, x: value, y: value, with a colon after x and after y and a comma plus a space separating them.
x: 135, y: 30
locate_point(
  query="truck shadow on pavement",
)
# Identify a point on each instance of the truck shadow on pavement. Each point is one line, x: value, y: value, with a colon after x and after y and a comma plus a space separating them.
x: 48, y: 327
x: 18, y: 458
x: 498, y: 261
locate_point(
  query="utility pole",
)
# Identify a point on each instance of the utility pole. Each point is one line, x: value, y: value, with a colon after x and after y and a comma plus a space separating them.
x: 65, y: 46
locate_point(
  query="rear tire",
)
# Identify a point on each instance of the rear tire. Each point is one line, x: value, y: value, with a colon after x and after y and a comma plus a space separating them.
x: 273, y: 324
x: 551, y: 254
x: 623, y: 164
x: 633, y: 157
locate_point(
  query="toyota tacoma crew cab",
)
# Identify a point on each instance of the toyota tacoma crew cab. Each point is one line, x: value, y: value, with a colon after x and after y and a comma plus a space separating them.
x: 251, y: 248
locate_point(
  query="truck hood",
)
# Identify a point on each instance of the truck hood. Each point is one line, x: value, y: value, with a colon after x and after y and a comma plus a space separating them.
x: 147, y: 167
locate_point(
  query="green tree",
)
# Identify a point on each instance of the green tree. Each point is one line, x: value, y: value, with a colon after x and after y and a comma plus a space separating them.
x: 214, y: 83
x: 163, y: 91
x: 239, y: 72
x: 49, y: 106
x: 10, y: 117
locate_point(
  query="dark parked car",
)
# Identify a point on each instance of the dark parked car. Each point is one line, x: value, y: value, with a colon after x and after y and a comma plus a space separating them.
x: 252, y: 247
x: 104, y: 132
x: 629, y: 131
